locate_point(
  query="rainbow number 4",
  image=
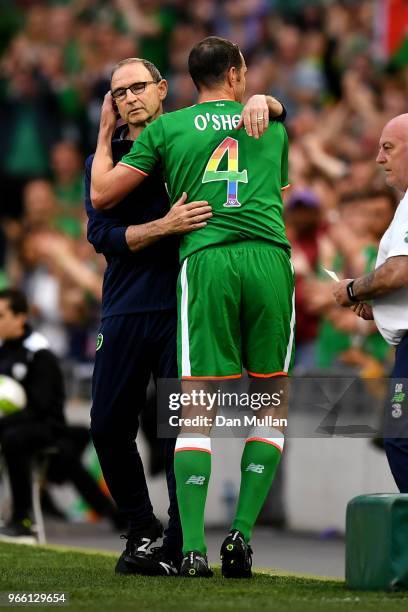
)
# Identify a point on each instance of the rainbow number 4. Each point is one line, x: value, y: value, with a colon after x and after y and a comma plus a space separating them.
x: 228, y: 146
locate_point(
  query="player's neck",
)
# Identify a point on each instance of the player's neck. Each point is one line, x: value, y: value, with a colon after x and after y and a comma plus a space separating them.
x: 208, y: 95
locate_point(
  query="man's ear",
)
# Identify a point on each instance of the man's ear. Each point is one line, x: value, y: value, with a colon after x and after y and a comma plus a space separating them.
x: 162, y: 88
x: 232, y: 76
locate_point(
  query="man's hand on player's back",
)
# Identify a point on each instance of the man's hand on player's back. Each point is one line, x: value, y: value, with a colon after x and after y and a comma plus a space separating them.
x: 183, y: 218
x: 180, y: 219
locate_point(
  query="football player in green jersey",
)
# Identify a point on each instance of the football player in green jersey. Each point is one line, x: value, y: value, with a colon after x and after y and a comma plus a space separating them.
x: 236, y: 285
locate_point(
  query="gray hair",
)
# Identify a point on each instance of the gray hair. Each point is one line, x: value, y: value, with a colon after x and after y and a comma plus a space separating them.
x: 155, y: 73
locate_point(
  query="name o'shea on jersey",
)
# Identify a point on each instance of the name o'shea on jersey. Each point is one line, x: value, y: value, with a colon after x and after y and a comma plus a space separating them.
x: 216, y: 122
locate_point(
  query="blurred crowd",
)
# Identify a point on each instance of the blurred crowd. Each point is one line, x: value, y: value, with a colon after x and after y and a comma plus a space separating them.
x: 322, y: 59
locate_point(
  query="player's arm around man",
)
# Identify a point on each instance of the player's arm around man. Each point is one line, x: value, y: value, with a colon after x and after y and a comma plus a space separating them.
x: 109, y: 183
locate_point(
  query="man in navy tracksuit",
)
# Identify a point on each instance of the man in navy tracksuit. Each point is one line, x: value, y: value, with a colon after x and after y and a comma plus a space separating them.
x: 138, y: 331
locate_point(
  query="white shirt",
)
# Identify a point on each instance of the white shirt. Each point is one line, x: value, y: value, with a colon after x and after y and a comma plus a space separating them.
x: 391, y: 310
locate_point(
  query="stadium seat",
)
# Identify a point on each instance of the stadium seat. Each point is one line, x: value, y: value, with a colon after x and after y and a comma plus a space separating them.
x: 39, y: 469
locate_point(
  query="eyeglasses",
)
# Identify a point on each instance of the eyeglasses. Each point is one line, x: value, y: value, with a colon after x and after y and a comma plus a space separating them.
x: 136, y: 89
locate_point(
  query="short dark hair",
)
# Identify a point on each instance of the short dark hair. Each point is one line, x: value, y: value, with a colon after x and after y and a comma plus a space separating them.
x: 154, y: 72
x: 210, y: 60
x: 16, y: 299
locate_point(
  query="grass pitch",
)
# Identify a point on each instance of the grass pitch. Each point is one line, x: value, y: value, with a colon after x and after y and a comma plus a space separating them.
x: 90, y: 583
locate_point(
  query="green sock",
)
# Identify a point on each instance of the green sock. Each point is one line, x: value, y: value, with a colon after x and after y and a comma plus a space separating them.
x: 192, y: 469
x: 258, y: 466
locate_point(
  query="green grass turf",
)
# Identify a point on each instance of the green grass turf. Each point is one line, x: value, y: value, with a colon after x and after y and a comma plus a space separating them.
x: 90, y: 583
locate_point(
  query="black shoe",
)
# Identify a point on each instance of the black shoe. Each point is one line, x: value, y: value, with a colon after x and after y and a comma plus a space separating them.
x: 236, y: 556
x: 195, y: 565
x: 157, y: 563
x: 137, y: 547
x: 19, y: 532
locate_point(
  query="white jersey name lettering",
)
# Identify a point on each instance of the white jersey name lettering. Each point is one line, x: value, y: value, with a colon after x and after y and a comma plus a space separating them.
x: 216, y: 122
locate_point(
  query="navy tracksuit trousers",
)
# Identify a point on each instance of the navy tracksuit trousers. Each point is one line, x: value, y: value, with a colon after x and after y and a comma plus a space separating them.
x: 131, y: 349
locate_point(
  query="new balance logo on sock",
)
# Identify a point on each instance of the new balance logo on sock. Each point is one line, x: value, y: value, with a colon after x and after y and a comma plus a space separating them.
x: 253, y: 467
x: 197, y: 480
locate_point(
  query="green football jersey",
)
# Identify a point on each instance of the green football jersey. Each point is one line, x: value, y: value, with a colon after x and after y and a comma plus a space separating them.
x: 202, y: 154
